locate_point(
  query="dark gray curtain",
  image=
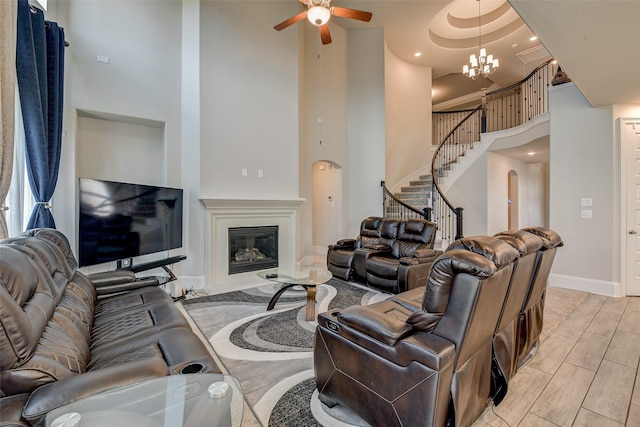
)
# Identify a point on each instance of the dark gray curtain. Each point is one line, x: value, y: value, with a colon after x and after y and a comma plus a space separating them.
x: 40, y: 69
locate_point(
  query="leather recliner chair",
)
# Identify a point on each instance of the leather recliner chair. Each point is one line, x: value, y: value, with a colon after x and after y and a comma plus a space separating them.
x: 340, y: 255
x: 532, y: 311
x: 505, y: 340
x: 407, y: 265
x: 394, y: 364
x: 389, y: 228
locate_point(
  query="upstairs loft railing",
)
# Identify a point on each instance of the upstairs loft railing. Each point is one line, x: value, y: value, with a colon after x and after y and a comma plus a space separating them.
x: 396, y: 208
x: 517, y: 104
x: 502, y: 109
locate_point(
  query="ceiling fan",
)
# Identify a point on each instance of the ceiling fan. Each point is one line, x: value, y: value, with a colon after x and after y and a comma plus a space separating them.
x: 319, y: 12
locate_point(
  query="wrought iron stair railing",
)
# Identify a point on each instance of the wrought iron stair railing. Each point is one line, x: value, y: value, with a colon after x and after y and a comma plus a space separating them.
x: 396, y: 208
x: 461, y: 138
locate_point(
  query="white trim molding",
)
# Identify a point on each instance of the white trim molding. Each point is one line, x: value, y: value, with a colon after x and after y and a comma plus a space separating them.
x: 600, y: 287
x: 221, y: 214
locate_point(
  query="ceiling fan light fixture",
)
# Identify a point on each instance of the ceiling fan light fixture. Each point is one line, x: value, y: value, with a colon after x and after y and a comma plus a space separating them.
x: 318, y: 15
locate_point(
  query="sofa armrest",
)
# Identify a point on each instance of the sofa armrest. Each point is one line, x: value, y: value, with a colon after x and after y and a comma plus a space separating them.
x: 113, y: 282
x: 346, y: 242
x: 378, y: 248
x: 421, y: 256
x: 62, y: 392
x: 378, y: 324
x: 416, y: 346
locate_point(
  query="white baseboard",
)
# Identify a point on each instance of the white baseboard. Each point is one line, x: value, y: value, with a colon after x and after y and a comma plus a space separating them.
x: 188, y: 282
x: 320, y: 250
x: 599, y: 287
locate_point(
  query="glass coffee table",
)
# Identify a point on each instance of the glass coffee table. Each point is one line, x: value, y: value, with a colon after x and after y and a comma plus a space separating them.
x: 191, y: 400
x: 305, y: 277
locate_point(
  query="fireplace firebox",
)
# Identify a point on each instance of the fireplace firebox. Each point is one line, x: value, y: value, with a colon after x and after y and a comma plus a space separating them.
x: 252, y: 248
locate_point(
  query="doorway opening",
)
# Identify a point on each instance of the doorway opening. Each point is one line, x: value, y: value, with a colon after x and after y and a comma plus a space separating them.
x: 327, y: 209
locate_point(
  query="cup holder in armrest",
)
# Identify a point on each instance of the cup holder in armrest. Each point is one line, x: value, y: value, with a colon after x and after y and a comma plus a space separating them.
x: 192, y: 368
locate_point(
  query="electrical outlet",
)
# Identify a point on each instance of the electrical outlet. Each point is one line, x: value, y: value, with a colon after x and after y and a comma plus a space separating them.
x: 586, y: 213
x: 586, y: 201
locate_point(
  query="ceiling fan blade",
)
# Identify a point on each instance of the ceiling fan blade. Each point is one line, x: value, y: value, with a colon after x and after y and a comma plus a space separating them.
x: 325, y: 35
x: 291, y: 21
x: 344, y: 12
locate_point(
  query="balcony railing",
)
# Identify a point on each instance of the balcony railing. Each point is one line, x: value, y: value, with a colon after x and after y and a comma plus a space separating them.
x: 502, y: 109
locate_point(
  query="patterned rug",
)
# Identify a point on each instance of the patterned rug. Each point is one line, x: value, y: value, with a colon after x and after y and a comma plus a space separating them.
x: 271, y: 352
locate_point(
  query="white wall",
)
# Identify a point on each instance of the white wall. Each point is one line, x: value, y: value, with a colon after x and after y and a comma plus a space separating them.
x: 582, y: 165
x: 407, y: 119
x: 470, y: 192
x: 249, y: 100
x: 323, y: 130
x: 366, y: 131
x: 532, y: 195
x: 194, y: 224
x: 111, y: 150
x: 135, y: 84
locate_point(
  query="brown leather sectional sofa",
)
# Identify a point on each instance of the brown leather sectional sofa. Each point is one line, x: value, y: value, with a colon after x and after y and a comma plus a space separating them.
x: 439, y: 355
x: 388, y: 254
x: 60, y: 342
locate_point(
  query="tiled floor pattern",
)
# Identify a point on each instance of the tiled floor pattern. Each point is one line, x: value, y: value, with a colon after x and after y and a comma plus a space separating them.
x: 586, y: 370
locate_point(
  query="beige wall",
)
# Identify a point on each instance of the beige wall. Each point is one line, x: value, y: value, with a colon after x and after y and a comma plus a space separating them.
x: 408, y: 121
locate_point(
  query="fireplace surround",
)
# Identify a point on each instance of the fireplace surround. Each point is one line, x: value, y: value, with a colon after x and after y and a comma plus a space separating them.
x: 223, y: 214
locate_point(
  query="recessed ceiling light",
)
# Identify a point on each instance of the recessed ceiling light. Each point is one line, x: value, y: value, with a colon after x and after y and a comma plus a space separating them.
x: 533, y: 38
x: 417, y: 54
x: 531, y: 153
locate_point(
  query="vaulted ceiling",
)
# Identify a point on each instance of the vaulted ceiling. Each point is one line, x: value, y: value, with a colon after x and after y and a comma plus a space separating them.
x: 595, y: 41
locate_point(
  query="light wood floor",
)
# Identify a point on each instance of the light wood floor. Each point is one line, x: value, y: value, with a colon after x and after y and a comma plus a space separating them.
x: 586, y: 370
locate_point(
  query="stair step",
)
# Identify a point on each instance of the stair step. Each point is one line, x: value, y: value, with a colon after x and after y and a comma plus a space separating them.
x: 415, y: 188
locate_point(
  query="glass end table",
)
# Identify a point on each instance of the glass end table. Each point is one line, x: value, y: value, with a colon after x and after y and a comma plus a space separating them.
x: 190, y: 400
x: 306, y: 277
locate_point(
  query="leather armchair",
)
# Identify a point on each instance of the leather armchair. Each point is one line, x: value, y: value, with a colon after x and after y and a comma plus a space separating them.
x: 383, y: 245
x: 393, y: 363
x: 505, y: 340
x: 340, y: 255
x: 532, y: 311
x: 407, y: 265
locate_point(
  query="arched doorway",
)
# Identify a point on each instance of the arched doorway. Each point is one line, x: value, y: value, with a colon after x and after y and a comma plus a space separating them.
x: 512, y: 200
x: 326, y: 205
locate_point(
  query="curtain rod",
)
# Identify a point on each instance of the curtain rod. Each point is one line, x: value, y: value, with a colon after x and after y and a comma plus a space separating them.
x: 34, y: 9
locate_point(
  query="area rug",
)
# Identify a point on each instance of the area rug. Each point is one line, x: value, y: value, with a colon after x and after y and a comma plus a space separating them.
x: 271, y: 352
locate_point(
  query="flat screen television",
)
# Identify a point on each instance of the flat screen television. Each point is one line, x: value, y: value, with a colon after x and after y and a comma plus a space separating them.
x: 120, y: 220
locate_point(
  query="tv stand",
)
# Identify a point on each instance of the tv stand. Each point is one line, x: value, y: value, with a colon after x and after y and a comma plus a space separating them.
x: 161, y: 263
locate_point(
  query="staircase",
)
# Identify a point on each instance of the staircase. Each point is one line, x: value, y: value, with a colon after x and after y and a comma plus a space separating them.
x: 418, y: 193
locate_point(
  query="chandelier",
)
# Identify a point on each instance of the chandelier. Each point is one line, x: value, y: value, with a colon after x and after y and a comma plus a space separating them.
x: 482, y: 64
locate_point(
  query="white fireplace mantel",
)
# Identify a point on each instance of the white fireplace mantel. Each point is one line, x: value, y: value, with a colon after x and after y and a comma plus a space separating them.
x: 222, y: 214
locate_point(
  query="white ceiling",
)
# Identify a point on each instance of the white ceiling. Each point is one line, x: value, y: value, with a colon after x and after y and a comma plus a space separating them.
x: 595, y: 41
x: 446, y: 32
